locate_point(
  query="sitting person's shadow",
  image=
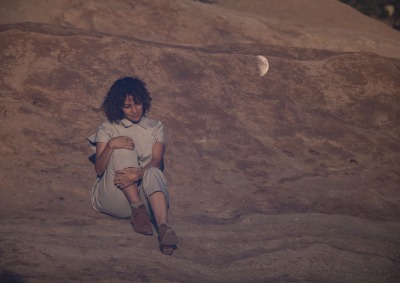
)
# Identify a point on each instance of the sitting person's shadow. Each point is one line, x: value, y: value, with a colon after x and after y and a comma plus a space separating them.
x: 92, y: 158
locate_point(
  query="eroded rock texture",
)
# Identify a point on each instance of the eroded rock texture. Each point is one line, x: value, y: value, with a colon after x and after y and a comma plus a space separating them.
x: 289, y: 177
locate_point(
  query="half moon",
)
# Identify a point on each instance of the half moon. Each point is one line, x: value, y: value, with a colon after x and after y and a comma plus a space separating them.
x: 262, y: 64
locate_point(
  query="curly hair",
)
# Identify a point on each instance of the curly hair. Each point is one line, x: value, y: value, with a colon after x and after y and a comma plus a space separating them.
x: 114, y: 101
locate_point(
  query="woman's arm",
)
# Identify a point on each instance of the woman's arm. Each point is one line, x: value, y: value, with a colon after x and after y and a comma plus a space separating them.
x: 104, y: 151
x: 129, y: 176
x: 157, y: 158
x: 103, y: 154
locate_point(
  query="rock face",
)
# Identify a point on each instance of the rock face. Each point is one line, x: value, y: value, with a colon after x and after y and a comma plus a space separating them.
x: 288, y: 177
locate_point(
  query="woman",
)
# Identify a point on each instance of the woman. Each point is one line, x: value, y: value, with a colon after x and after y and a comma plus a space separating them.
x: 129, y: 157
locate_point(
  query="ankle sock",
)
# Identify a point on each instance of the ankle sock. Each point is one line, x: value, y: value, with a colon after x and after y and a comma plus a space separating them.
x: 136, y: 204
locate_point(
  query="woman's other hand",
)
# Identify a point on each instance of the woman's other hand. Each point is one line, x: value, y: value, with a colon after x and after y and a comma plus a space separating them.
x: 121, y: 142
x: 127, y: 176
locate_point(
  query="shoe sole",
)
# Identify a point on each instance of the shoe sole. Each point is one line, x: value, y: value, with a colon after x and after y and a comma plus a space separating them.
x: 144, y: 232
x: 167, y: 250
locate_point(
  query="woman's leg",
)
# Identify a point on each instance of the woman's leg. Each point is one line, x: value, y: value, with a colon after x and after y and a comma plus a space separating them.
x: 159, y: 206
x: 121, y: 159
x: 110, y: 200
x: 154, y: 189
x: 122, y: 203
x: 131, y: 193
x: 154, y: 194
x: 108, y: 197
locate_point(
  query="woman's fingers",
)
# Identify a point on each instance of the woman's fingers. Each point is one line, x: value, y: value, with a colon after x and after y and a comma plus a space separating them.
x: 129, y: 143
x: 121, y: 179
x: 122, y: 171
x: 123, y: 142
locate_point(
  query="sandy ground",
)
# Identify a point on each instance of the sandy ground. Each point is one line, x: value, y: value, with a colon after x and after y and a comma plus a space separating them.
x: 289, y: 177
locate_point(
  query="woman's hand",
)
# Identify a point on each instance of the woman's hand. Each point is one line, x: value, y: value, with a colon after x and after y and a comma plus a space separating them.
x: 127, y: 177
x: 121, y: 142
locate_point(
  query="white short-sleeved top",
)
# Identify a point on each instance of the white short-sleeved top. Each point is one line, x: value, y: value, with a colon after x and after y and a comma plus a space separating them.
x: 144, y: 134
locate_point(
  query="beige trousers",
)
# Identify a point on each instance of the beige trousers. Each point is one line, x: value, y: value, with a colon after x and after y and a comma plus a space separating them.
x: 109, y: 199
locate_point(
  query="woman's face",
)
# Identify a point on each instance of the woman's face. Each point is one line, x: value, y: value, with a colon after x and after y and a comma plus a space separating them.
x: 132, y: 111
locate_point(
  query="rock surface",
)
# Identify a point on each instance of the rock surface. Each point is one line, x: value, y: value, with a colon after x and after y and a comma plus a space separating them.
x: 289, y: 177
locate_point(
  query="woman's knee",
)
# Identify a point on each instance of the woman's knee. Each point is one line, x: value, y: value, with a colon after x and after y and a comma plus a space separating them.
x: 123, y: 158
x: 152, y: 171
x: 153, y: 174
x: 153, y: 181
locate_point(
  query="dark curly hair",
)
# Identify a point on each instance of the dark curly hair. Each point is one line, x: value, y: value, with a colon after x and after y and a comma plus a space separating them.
x: 114, y: 101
